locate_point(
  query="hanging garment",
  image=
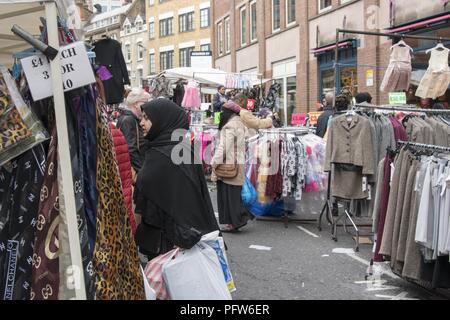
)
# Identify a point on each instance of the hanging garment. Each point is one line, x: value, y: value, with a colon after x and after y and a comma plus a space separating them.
x: 350, y: 154
x: 109, y: 53
x: 436, y: 80
x: 19, y: 193
x: 45, y: 274
x: 398, y: 74
x: 191, y: 99
x: 20, y: 130
x: 162, y: 87
x: 126, y: 175
x: 178, y: 94
x: 116, y: 261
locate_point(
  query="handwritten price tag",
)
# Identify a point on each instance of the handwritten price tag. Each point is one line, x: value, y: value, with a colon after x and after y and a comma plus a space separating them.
x: 298, y: 118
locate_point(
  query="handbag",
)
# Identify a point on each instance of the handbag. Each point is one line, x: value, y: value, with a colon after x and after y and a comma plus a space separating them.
x: 227, y: 171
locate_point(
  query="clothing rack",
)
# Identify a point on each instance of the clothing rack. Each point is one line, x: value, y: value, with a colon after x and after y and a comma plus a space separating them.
x: 284, y: 131
x: 424, y: 146
x: 405, y: 108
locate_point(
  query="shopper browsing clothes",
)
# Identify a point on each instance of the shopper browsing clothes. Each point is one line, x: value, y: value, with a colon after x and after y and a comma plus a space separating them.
x: 219, y: 99
x: 248, y: 119
x: 128, y: 123
x: 230, y: 157
x: 322, y: 121
x: 173, y: 198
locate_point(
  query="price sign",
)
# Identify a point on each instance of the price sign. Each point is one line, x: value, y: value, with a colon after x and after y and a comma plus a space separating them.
x: 397, y: 98
x: 298, y: 118
x: 313, y: 116
x: 216, y: 117
x: 76, y: 71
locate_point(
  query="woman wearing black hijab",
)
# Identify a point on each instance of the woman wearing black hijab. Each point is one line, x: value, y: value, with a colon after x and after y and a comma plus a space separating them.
x: 173, y: 198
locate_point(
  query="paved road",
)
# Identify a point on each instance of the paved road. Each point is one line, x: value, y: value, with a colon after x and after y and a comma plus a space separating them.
x: 301, y: 264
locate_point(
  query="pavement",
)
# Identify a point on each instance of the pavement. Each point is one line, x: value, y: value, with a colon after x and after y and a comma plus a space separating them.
x: 271, y: 262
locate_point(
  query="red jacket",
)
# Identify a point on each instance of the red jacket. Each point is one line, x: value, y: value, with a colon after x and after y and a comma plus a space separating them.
x: 126, y: 175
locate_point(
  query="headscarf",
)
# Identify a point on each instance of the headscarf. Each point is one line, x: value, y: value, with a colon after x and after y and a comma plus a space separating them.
x: 230, y: 109
x: 179, y: 191
x: 166, y: 117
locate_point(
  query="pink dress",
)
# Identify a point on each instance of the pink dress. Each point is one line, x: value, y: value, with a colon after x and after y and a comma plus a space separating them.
x: 191, y: 99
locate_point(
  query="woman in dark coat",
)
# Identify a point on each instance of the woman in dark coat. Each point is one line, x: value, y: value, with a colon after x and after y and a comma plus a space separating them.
x: 173, y: 198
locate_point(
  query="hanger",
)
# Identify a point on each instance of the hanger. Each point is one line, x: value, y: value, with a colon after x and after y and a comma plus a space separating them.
x: 439, y: 47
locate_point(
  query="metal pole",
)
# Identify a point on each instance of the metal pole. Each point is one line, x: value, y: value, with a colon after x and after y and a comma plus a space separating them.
x: 336, y: 66
x: 64, y: 154
x: 392, y: 35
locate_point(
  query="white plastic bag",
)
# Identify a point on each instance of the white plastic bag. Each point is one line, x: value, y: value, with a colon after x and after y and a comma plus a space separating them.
x: 214, y: 241
x: 196, y: 274
x: 150, y: 294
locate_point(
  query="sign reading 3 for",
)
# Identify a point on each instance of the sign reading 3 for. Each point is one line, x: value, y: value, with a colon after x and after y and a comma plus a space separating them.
x: 76, y: 71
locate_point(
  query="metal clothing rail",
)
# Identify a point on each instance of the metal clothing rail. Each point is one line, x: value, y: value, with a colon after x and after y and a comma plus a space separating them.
x: 413, y: 108
x: 285, y: 130
x: 424, y: 146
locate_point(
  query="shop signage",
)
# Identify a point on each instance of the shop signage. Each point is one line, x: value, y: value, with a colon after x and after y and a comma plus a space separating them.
x: 216, y: 117
x: 76, y: 71
x: 397, y: 98
x: 298, y: 118
x: 251, y: 104
x: 369, y: 78
x: 313, y: 116
x: 201, y: 59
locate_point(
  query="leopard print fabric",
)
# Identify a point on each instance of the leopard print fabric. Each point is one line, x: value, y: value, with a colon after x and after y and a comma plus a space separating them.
x: 116, y: 260
x: 12, y: 129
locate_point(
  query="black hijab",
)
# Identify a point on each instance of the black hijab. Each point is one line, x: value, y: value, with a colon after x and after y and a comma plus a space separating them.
x: 179, y: 191
x: 166, y: 117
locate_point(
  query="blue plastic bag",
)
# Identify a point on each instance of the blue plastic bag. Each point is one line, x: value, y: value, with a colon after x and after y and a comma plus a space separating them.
x: 274, y: 209
x: 248, y: 193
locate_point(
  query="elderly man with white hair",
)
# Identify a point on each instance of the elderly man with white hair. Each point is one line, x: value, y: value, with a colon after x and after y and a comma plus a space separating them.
x: 128, y: 123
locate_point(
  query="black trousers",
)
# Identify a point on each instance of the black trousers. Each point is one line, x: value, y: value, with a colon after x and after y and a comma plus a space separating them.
x: 231, y: 208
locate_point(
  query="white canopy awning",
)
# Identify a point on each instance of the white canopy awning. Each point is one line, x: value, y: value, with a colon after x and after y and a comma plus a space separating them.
x: 207, y: 76
x: 26, y: 14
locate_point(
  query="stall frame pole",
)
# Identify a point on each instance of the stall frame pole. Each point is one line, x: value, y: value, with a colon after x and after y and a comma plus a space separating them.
x: 64, y: 155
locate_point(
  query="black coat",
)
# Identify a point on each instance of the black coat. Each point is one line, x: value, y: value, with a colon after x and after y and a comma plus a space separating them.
x: 322, y: 122
x: 109, y: 54
x: 128, y: 123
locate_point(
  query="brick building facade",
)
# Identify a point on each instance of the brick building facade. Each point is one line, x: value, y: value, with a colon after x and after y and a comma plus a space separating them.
x: 304, y: 46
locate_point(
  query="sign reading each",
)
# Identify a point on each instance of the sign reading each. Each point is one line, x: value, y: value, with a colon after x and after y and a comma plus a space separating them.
x: 216, y: 117
x: 313, y: 116
x: 298, y: 118
x: 76, y: 71
x: 397, y: 98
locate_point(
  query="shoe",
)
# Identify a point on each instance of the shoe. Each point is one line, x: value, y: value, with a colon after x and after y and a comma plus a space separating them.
x: 241, y: 226
x: 228, y: 229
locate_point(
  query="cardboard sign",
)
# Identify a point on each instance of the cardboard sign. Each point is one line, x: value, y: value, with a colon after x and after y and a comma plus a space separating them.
x: 397, y: 98
x: 216, y: 117
x: 313, y: 116
x: 76, y: 71
x: 299, y: 118
x: 369, y: 78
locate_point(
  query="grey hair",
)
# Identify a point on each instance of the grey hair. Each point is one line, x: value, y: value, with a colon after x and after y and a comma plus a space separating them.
x: 137, y: 95
x: 329, y: 98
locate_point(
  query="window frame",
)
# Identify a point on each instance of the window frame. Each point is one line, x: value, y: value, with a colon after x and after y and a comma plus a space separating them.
x: 151, y: 30
x: 152, y: 63
x: 128, y: 52
x: 185, y: 54
x: 227, y: 35
x: 164, y: 61
x: 288, y: 24
x: 168, y: 27
x: 140, y: 51
x: 255, y: 24
x: 208, y: 10
x: 243, y: 25
x: 273, y: 16
x: 220, y: 38
x: 322, y: 10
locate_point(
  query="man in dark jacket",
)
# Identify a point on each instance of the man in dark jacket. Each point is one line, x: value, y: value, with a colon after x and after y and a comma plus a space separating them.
x: 322, y: 122
x: 219, y: 99
x: 128, y: 123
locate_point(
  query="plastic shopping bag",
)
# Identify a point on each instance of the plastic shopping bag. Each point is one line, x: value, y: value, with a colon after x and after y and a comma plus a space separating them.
x: 150, y: 294
x: 154, y: 273
x: 196, y: 274
x: 248, y: 193
x: 214, y: 241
